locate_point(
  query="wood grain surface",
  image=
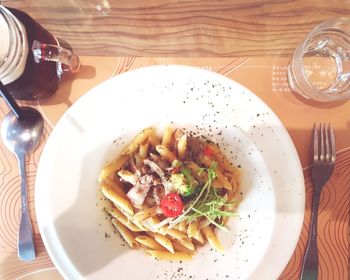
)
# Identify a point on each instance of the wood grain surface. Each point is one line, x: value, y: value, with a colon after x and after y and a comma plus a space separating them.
x: 187, y: 28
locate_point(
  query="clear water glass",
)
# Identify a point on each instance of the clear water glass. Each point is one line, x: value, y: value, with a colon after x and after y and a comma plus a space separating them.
x: 320, y: 67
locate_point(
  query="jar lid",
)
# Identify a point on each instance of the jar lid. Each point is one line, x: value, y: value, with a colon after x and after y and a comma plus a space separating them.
x: 4, y: 38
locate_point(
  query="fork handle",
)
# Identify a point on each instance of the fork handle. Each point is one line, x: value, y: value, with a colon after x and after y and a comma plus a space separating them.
x: 310, y: 263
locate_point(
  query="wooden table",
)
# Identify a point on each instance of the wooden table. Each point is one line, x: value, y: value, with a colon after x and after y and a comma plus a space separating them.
x: 197, y: 28
x: 239, y: 39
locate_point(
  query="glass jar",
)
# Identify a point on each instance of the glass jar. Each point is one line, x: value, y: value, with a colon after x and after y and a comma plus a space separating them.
x: 31, y: 58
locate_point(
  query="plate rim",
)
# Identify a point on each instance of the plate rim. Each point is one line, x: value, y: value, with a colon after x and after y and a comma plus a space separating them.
x: 46, y: 239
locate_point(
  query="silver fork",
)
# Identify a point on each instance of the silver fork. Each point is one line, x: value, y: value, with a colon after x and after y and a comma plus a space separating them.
x: 322, y: 169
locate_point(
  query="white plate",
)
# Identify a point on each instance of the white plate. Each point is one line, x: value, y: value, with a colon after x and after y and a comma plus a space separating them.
x: 263, y: 236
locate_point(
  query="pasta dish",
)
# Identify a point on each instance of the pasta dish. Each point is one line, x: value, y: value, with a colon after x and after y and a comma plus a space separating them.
x: 170, y: 193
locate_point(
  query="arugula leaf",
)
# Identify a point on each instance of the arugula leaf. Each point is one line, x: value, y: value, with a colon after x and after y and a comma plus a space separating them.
x: 212, y: 209
x: 208, y: 203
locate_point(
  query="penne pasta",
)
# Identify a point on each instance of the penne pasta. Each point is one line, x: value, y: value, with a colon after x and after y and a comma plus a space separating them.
x: 180, y: 248
x: 142, y: 215
x: 217, y: 184
x: 222, y: 160
x: 127, y: 176
x: 154, y: 220
x: 186, y: 243
x: 118, y: 215
x: 182, y: 226
x: 149, y: 242
x: 233, y: 193
x: 212, y: 239
x: 117, y: 199
x: 220, y: 176
x: 223, y: 180
x: 139, y: 225
x: 163, y: 188
x: 150, y: 234
x: 151, y: 224
x: 137, y: 141
x: 181, y: 146
x: 198, y: 237
x: 166, y: 153
x: 125, y: 233
x: 175, y: 233
x: 200, y: 176
x: 204, y: 223
x: 129, y: 216
x: 167, y: 136
x: 164, y: 255
x: 143, y: 151
x: 116, y: 186
x: 192, y: 228
x: 112, y: 167
x: 164, y: 241
x: 153, y: 139
x: 148, y: 225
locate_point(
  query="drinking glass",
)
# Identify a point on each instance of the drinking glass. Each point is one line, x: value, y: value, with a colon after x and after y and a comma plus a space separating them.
x: 320, y: 67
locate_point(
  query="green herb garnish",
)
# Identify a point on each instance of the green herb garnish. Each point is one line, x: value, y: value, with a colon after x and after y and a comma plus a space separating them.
x: 208, y: 203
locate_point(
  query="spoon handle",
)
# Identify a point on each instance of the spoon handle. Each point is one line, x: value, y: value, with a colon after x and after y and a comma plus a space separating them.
x: 26, y: 249
x: 10, y: 101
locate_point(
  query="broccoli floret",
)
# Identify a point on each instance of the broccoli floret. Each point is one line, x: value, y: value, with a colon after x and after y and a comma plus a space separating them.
x: 181, y: 184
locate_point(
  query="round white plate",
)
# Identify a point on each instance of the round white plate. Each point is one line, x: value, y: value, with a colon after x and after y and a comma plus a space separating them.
x: 81, y: 241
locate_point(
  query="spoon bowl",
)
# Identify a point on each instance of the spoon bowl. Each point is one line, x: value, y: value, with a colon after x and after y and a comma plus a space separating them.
x: 20, y: 136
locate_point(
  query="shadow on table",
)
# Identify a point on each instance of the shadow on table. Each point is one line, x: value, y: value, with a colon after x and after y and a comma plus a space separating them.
x: 333, y: 211
x: 318, y: 104
x: 64, y: 92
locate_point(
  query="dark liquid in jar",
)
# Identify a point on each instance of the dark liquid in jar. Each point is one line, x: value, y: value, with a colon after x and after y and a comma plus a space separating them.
x: 39, y: 80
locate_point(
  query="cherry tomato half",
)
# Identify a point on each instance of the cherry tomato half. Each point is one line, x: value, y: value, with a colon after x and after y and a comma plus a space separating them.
x: 171, y: 205
x: 208, y: 151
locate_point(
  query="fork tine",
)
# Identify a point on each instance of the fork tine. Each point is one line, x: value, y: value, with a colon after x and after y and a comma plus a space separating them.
x: 322, y: 156
x: 327, y: 136
x: 331, y: 132
x: 315, y: 143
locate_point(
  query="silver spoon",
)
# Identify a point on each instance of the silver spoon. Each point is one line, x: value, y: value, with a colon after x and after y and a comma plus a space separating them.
x: 20, y: 137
